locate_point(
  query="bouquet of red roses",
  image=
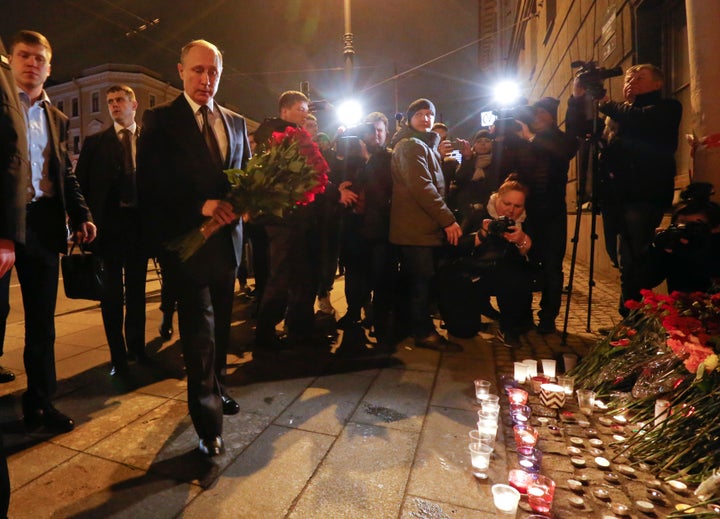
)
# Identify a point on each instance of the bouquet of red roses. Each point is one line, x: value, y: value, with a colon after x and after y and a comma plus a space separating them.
x: 290, y: 172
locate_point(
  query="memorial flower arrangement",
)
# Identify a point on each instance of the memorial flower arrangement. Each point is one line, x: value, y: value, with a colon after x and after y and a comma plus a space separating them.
x: 290, y: 172
x: 666, y: 348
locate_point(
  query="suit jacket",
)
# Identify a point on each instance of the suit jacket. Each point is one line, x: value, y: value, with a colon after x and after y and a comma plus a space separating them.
x: 98, y: 171
x: 66, y: 184
x: 14, y: 164
x: 176, y: 173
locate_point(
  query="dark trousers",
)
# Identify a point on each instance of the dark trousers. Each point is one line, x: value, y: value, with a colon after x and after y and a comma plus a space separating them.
x: 511, y: 283
x: 549, y: 241
x: 37, y: 269
x: 417, y: 268
x: 205, y: 286
x: 637, y: 224
x: 125, y: 273
x: 331, y: 227
x: 290, y: 289
x: 258, y: 238
x: 355, y: 256
x: 4, y: 307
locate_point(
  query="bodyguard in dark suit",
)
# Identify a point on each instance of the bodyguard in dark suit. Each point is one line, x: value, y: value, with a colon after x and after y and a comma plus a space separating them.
x: 53, y: 192
x: 14, y: 177
x: 106, y: 172
x: 183, y: 149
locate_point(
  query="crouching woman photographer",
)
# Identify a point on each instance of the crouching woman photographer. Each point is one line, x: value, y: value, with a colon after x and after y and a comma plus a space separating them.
x: 492, y: 261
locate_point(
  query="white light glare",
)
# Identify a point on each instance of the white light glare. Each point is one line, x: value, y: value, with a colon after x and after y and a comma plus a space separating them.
x: 349, y: 113
x: 506, y: 93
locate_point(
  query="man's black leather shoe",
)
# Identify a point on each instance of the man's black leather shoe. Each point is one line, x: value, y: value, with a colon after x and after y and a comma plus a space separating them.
x: 6, y: 375
x: 229, y: 405
x: 166, y: 328
x: 51, y: 418
x: 119, y: 370
x: 212, y: 446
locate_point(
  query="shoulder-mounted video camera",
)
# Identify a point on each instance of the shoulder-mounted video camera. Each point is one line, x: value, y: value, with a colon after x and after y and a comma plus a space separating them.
x: 500, y: 225
x: 591, y: 76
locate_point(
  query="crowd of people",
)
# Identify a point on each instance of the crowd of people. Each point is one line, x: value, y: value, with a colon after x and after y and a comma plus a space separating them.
x: 405, y: 207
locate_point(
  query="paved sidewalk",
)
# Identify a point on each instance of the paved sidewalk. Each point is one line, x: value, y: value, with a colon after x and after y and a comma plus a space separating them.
x: 319, y: 435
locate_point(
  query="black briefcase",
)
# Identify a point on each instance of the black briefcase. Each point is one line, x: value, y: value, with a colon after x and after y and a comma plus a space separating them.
x: 82, y: 274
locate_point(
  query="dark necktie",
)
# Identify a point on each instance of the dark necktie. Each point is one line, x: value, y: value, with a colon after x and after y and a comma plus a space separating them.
x: 128, y: 191
x: 125, y: 136
x: 210, y: 139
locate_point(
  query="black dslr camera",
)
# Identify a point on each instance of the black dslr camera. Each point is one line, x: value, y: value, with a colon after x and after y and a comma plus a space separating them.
x: 690, y: 235
x: 591, y: 76
x: 500, y: 225
x: 348, y: 144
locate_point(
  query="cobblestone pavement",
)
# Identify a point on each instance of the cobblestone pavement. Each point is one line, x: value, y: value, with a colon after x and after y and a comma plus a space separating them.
x: 320, y: 434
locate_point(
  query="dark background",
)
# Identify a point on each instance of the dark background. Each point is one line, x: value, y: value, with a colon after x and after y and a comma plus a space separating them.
x: 271, y: 46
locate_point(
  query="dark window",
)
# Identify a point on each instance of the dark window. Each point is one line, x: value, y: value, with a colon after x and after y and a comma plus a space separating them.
x: 75, y: 107
x: 61, y: 106
x: 153, y: 100
x: 76, y: 143
x: 95, y: 100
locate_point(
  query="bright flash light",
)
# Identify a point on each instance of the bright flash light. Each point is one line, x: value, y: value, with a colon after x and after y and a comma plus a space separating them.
x: 349, y: 113
x: 506, y: 93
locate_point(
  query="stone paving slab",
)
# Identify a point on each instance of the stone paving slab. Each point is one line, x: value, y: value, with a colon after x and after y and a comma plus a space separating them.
x: 317, y: 436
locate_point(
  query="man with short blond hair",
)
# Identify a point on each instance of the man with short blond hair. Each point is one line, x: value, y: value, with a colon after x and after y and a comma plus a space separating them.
x: 53, y: 192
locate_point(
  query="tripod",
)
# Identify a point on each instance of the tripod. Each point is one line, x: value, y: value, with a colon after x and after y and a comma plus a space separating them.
x: 587, y: 159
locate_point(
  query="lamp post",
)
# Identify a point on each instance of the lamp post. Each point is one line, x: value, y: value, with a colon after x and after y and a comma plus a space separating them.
x: 348, y: 49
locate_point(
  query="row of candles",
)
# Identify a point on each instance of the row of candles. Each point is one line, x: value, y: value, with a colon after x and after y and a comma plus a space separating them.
x: 540, y: 489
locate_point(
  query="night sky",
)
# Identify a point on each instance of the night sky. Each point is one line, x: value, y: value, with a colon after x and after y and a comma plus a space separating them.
x: 272, y: 45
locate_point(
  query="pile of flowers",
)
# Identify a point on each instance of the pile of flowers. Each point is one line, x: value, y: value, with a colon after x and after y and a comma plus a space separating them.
x: 290, y: 172
x: 667, y: 348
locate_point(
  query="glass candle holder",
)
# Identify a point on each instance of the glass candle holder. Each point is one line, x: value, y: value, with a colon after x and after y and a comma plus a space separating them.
x: 506, y: 499
x: 586, y: 400
x: 482, y: 437
x: 541, y: 491
x: 549, y: 367
x: 488, y: 427
x: 567, y: 383
x: 519, y: 479
x: 491, y: 399
x: 491, y: 407
x: 530, y: 459
x: 537, y: 382
x: 520, y: 414
x: 482, y: 389
x: 489, y: 414
x: 517, y: 396
x: 480, y: 459
x: 520, y: 372
x: 525, y: 435
x: 532, y: 366
x: 569, y: 361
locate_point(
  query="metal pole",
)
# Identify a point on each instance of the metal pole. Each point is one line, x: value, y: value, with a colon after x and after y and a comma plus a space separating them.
x: 348, y: 49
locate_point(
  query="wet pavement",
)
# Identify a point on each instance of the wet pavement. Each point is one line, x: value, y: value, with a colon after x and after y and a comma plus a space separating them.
x: 321, y: 433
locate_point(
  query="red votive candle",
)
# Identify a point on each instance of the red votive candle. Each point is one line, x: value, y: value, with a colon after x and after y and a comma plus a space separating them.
x: 525, y: 435
x: 517, y: 395
x: 520, y: 480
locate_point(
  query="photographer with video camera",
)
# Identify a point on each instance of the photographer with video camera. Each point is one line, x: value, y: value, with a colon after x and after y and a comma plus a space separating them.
x: 686, y: 252
x: 638, y: 166
x: 492, y: 261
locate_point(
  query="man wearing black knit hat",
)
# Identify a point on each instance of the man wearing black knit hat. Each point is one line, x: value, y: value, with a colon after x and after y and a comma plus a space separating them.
x: 420, y: 221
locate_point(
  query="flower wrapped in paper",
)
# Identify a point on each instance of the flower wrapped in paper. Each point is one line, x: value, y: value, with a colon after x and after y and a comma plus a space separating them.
x: 291, y: 171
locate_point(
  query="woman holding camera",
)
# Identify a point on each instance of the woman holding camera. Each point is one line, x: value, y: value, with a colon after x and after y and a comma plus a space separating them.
x: 501, y: 246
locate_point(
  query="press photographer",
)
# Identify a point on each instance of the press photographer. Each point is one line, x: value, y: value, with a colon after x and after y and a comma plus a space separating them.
x: 686, y: 252
x: 492, y: 261
x: 640, y: 166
